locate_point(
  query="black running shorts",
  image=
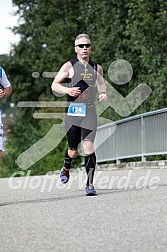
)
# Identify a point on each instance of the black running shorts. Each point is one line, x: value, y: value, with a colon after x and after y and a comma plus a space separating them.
x: 81, y: 128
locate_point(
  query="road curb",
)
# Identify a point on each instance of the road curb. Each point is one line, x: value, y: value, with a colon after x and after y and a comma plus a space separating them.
x: 160, y: 164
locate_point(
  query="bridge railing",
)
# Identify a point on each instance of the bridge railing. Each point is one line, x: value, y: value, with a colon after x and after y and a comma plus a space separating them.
x: 137, y: 136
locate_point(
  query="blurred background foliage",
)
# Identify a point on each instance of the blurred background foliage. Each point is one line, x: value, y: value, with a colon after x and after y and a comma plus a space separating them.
x: 131, y: 30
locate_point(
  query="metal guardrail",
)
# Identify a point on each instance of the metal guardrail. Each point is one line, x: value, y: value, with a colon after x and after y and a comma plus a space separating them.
x: 138, y: 136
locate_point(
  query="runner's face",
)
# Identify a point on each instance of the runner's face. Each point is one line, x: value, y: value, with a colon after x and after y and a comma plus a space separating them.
x: 80, y: 48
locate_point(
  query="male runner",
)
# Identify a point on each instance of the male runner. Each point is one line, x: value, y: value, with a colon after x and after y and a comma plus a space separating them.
x: 82, y: 75
x: 5, y: 90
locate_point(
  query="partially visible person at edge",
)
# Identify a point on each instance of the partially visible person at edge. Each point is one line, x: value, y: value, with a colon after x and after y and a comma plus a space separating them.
x: 81, y: 75
x: 5, y: 90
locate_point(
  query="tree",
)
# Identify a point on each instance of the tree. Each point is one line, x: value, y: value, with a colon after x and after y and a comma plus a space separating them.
x: 130, y: 30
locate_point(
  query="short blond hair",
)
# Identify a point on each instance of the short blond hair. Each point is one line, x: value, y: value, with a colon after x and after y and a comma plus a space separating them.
x: 82, y: 35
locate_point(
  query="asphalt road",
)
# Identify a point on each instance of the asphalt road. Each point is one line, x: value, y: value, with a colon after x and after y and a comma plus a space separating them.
x: 129, y: 213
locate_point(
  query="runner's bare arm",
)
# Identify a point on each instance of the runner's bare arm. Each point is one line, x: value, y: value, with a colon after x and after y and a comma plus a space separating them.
x: 60, y: 77
x: 6, y: 92
x: 101, y: 86
x: 57, y: 85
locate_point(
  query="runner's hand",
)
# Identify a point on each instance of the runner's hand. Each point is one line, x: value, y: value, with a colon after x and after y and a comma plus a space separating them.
x: 1, y: 93
x: 102, y: 97
x: 75, y: 91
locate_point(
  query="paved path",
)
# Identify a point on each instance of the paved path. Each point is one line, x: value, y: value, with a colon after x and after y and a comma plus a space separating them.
x: 129, y: 213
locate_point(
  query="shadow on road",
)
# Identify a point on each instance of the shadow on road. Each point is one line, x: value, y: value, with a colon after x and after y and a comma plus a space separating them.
x: 99, y: 193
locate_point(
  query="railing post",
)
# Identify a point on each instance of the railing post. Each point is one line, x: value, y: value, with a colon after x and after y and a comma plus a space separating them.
x: 118, y: 161
x: 143, y: 139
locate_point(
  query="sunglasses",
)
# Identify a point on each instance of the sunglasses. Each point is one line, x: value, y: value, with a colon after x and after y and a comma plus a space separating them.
x: 84, y: 45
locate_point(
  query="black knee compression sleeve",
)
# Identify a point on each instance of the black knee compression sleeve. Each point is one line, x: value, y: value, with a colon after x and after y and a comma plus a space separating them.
x: 67, y: 160
x: 90, y: 163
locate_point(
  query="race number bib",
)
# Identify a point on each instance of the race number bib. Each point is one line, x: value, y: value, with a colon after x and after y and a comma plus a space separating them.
x: 77, y: 109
